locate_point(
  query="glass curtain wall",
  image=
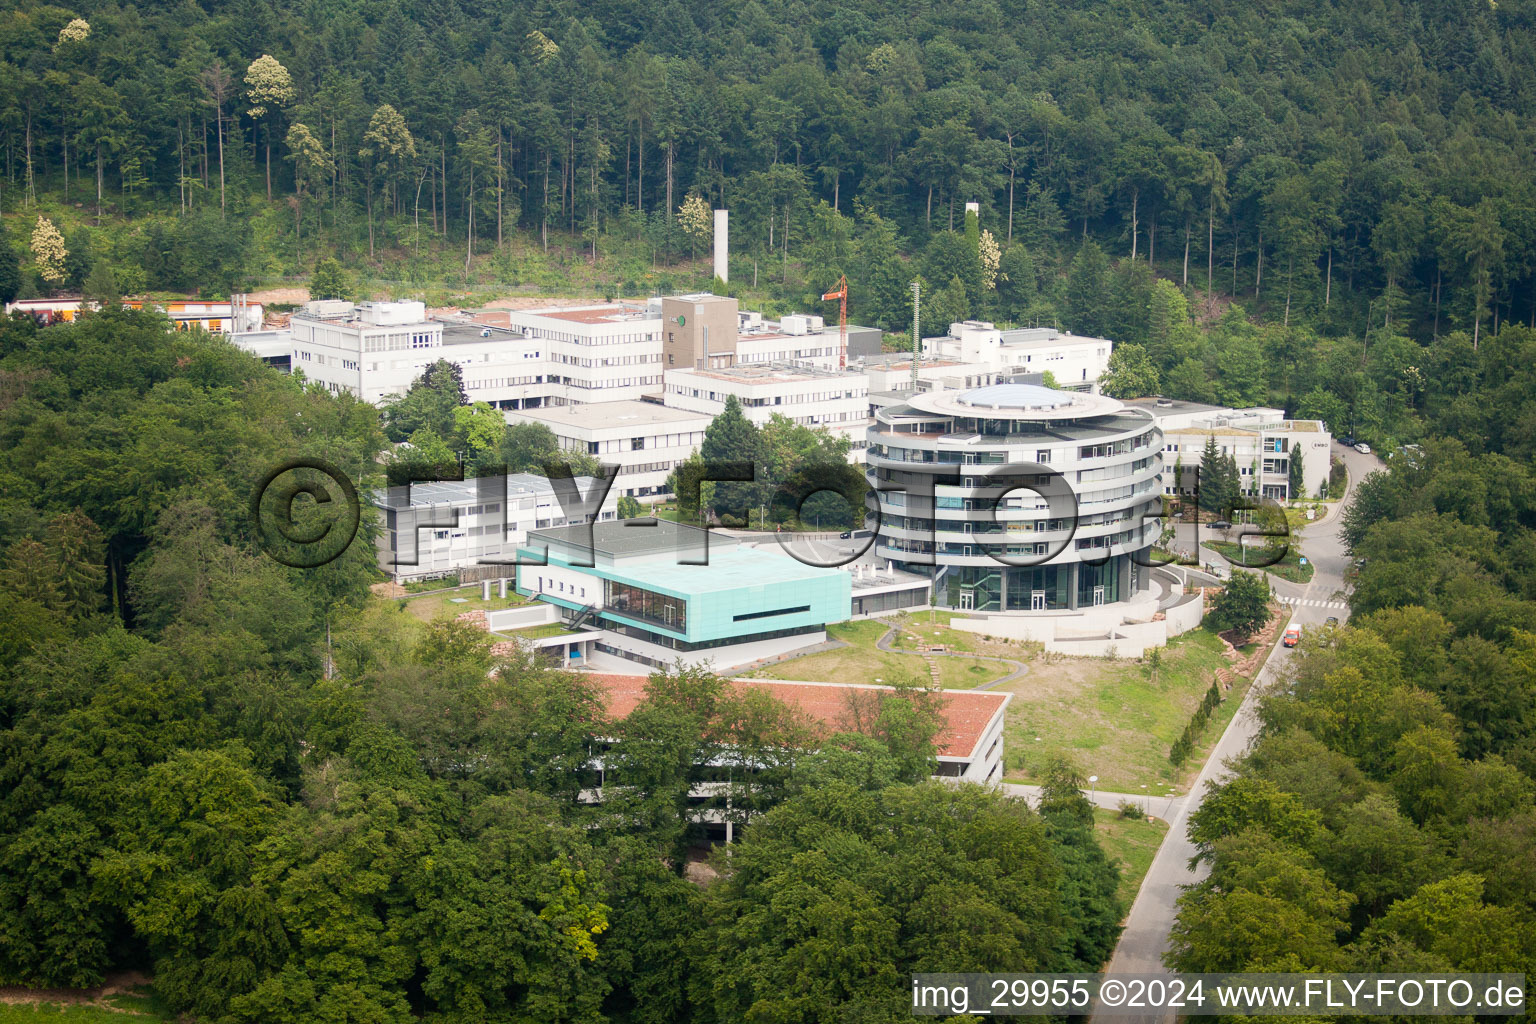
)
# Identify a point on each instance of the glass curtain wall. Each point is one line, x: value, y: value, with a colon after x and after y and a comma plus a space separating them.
x: 639, y: 603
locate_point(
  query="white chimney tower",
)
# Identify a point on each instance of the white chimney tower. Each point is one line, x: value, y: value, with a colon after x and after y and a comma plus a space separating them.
x: 722, y: 244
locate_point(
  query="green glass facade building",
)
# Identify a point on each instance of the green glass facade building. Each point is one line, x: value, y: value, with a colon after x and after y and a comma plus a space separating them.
x: 641, y: 579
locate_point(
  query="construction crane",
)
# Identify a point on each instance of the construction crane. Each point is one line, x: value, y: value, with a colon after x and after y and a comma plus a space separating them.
x: 842, y: 319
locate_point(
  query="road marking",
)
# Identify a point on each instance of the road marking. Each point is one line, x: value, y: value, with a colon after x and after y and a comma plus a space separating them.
x: 1310, y: 602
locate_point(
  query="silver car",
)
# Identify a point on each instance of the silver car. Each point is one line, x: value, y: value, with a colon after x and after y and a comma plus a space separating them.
x: 1363, y: 448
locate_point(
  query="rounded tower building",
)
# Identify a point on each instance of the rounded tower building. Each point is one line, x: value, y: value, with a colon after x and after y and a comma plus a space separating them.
x: 1016, y: 497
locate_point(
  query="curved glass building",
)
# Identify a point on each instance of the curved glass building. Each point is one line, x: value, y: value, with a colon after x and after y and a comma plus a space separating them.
x: 1016, y: 497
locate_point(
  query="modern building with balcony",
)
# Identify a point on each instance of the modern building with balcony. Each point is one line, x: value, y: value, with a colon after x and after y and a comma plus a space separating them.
x: 664, y: 593
x: 954, y: 476
x: 1263, y: 442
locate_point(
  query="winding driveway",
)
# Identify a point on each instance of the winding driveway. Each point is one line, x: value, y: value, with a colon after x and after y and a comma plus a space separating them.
x: 1144, y: 940
x: 1018, y: 667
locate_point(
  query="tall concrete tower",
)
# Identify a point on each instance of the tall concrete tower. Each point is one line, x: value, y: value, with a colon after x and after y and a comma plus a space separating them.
x: 722, y: 244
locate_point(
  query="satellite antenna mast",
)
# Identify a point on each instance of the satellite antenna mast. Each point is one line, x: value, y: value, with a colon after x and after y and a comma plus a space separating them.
x: 917, y: 344
x: 842, y: 319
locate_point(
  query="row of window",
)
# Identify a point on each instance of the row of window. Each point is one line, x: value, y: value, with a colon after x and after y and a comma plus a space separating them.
x: 587, y: 384
x: 589, y: 339
x: 502, y: 382
x: 612, y: 446
x: 396, y: 341
x: 609, y: 361
x: 573, y: 591
x: 745, y: 356
x: 892, y: 494
x: 801, y: 399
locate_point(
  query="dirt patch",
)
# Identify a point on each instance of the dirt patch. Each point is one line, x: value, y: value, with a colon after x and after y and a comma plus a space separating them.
x: 1054, y: 679
x: 387, y: 590
x: 267, y: 296
x: 533, y: 301
x: 115, y: 985
x: 1208, y: 309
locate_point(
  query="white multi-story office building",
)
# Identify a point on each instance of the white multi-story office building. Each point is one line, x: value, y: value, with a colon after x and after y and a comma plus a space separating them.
x: 1075, y: 362
x: 1262, y: 442
x: 434, y: 529
x: 838, y: 401
x: 993, y: 546
x: 528, y: 359
x: 377, y: 349
x: 644, y: 439
x: 370, y: 349
x: 604, y: 352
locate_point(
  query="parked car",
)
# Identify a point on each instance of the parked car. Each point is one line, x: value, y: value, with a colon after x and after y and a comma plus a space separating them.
x: 1332, y: 620
x: 1291, y: 637
x: 1221, y: 524
x: 1348, y: 440
x: 1363, y: 448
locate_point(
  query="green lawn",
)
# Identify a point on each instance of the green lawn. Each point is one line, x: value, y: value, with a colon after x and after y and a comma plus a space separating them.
x: 539, y: 632
x: 422, y: 586
x: 1288, y: 568
x: 438, y: 606
x: 1296, y: 518
x: 119, y: 1009
x: 1113, y: 719
x: 1132, y: 843
x: 863, y: 662
x: 933, y: 628
x: 860, y: 662
x: 969, y: 673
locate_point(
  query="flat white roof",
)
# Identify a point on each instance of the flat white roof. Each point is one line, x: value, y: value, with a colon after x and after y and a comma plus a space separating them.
x: 600, y: 415
x: 768, y: 373
x: 1015, y: 402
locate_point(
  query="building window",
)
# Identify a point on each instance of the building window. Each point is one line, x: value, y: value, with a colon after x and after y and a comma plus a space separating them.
x: 768, y: 614
x: 639, y: 603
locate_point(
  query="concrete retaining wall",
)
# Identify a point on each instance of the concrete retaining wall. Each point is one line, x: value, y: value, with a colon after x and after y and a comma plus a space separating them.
x: 1186, y: 615
x: 719, y: 659
x: 536, y: 614
x: 1127, y: 630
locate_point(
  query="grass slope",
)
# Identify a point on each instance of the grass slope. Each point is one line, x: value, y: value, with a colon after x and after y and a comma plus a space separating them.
x: 1113, y: 719
x: 1132, y: 843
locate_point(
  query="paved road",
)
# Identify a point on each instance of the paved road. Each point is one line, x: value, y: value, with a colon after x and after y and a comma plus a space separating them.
x: 1145, y: 938
x: 1157, y: 806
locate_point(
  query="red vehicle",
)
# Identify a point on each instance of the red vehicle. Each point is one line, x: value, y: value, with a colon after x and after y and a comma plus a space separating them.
x: 1291, y: 637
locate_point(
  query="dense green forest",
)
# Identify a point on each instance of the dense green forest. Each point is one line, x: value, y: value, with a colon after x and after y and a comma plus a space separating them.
x: 291, y: 801
x: 1386, y: 818
x: 1354, y: 175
